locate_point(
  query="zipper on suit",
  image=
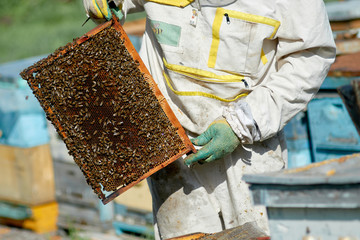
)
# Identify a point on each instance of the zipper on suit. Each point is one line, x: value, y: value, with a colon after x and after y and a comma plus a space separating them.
x: 245, y: 83
x: 226, y: 15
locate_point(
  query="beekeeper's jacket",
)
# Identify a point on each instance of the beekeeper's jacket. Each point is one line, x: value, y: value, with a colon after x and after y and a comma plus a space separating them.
x: 256, y: 63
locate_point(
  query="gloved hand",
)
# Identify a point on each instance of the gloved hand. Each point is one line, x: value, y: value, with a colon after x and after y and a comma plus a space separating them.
x: 97, y: 10
x: 218, y: 141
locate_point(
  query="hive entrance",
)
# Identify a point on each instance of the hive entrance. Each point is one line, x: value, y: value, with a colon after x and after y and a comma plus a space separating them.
x: 102, y: 101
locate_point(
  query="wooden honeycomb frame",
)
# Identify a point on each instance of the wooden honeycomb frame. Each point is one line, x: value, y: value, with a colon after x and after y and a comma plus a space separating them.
x: 53, y: 111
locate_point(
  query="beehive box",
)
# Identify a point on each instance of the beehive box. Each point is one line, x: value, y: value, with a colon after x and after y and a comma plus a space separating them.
x: 317, y: 201
x: 40, y: 219
x: 247, y: 231
x: 108, y: 110
x: 26, y: 175
x: 22, y: 121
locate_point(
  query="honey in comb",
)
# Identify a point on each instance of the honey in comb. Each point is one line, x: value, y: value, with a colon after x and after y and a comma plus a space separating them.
x: 105, y: 111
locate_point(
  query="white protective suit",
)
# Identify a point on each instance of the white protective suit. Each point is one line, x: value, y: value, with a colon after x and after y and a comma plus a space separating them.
x: 256, y: 63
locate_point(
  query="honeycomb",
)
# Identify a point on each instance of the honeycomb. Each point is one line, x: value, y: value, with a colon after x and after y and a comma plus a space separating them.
x: 107, y: 109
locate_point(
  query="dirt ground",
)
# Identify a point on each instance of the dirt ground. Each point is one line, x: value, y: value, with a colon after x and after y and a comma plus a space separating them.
x: 12, y: 233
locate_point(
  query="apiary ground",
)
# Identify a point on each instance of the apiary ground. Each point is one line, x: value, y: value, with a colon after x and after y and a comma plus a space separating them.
x: 11, y: 233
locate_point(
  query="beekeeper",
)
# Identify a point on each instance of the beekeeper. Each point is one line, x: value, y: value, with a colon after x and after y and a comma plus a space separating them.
x: 234, y: 73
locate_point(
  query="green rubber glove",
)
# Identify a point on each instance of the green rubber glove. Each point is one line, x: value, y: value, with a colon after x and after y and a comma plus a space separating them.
x: 218, y: 141
x: 99, y: 10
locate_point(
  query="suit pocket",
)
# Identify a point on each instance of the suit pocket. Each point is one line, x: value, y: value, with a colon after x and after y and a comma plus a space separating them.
x: 237, y: 40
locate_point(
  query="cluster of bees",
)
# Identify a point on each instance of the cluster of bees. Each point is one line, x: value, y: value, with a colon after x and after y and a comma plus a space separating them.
x: 109, y: 118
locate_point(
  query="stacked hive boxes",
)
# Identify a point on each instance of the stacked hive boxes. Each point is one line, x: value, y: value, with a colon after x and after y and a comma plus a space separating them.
x: 27, y: 190
x: 325, y: 130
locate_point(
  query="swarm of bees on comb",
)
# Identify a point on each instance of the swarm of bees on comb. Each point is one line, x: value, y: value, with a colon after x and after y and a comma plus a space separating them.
x: 104, y: 108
